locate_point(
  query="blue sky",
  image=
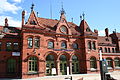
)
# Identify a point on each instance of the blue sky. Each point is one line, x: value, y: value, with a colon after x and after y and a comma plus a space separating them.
x: 99, y: 14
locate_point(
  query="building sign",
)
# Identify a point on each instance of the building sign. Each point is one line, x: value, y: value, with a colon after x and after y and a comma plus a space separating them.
x: 53, y: 70
x: 15, y: 53
x: 63, y: 49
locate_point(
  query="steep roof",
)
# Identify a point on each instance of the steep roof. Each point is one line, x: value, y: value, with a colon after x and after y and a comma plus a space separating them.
x: 105, y: 41
x: 52, y: 24
x: 118, y: 35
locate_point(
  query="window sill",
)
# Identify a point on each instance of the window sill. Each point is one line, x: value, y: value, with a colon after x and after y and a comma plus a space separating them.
x: 109, y: 68
x: 93, y: 69
x: 32, y: 73
x: 117, y: 67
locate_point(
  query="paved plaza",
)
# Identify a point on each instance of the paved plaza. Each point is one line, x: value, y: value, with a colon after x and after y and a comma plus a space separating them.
x: 115, y: 75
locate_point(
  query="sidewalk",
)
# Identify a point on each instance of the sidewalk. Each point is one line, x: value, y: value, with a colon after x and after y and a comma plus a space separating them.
x: 115, y: 74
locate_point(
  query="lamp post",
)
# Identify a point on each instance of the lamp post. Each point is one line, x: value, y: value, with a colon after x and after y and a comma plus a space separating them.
x: 103, y: 67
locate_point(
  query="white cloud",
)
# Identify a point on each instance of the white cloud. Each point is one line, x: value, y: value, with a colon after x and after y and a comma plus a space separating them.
x: 101, y: 32
x: 5, y: 6
x: 17, y: 1
x: 11, y: 21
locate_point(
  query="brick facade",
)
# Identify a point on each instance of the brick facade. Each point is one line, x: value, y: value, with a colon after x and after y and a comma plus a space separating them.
x: 75, y: 47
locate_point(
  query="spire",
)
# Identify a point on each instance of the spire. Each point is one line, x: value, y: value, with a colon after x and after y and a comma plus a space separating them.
x: 32, y: 7
x: 23, y: 17
x: 6, y: 22
x: 83, y: 15
x: 62, y: 11
x: 80, y: 17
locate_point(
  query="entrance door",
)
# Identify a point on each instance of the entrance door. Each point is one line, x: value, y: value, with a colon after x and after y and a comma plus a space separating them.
x: 63, y: 67
x: 50, y: 63
x: 11, y: 66
x: 49, y: 66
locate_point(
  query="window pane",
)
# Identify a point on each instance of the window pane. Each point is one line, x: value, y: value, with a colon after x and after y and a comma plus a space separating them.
x: 63, y: 45
x: 30, y: 43
x: 75, y: 45
x: 93, y: 46
x: 93, y: 63
x: 37, y: 42
x: 11, y: 66
x: 89, y: 45
x: 9, y: 46
x: 15, y: 46
x: 50, y: 44
x: 32, y: 64
x: 117, y: 62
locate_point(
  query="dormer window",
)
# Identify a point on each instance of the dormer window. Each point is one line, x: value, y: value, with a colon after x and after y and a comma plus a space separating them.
x: 33, y: 22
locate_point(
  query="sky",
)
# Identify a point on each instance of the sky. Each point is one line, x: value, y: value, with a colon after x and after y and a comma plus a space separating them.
x: 99, y: 14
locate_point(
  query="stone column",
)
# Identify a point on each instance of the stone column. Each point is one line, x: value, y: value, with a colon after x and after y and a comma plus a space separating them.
x: 70, y: 66
x: 58, y: 67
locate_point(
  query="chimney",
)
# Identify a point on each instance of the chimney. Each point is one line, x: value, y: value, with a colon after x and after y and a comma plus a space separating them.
x: 106, y: 32
x: 96, y: 31
x: 23, y: 17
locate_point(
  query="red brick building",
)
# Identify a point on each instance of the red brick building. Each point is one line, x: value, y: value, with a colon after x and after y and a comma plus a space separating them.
x: 41, y: 45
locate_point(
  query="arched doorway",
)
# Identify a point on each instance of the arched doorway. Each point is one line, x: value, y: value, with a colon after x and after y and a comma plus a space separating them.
x: 50, y: 63
x: 63, y: 65
x: 11, y: 66
x: 75, y: 64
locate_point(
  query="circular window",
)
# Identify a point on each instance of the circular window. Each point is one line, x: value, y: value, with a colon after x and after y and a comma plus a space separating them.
x: 63, y: 29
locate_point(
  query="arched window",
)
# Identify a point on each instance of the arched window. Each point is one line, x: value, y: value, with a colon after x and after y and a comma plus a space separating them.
x: 50, y: 58
x: 89, y: 45
x: 30, y: 42
x: 32, y: 64
x: 11, y: 66
x: 113, y: 50
x: 106, y: 50
x: 16, y: 46
x: 75, y: 64
x: 109, y: 50
x: 117, y: 62
x: 33, y: 22
x: 63, y: 58
x: 63, y: 64
x: 101, y: 49
x: 50, y: 44
x: 93, y: 63
x: 93, y: 46
x: 9, y: 46
x: 109, y: 63
x: 75, y: 45
x: 63, y: 45
x: 37, y: 42
x: 50, y: 63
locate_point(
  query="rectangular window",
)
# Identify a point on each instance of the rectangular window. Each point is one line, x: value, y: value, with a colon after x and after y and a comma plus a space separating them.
x: 15, y: 46
x: 9, y: 46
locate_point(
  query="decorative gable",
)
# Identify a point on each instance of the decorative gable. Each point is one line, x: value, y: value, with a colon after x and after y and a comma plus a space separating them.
x: 33, y: 19
x: 62, y: 26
